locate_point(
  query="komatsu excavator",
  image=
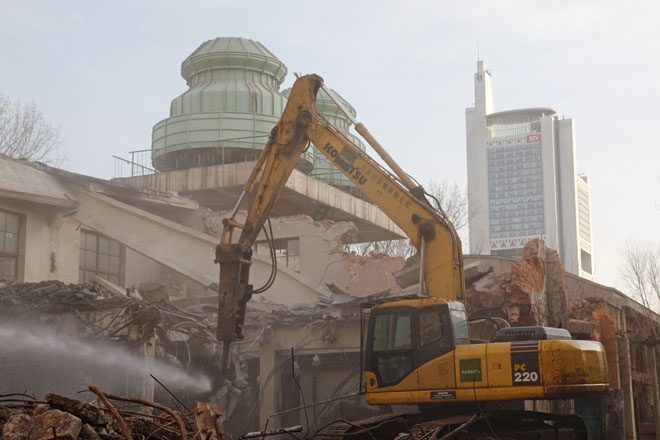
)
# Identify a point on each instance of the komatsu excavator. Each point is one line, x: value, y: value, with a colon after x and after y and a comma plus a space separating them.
x: 418, y: 350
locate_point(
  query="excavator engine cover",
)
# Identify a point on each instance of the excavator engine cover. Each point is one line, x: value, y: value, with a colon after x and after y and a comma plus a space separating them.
x: 537, y: 333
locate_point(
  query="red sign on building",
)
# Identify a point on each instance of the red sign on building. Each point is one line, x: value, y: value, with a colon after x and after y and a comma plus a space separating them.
x: 533, y: 138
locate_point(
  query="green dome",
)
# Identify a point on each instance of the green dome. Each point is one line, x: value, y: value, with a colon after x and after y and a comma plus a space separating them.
x: 226, y: 115
x: 235, y: 52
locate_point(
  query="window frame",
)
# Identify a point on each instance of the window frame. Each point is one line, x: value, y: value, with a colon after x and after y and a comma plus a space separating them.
x: 97, y: 271
x: 390, y: 357
x: 20, y: 248
x: 291, y: 261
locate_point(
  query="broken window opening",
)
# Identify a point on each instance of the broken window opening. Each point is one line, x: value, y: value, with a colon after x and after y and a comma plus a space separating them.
x: 100, y: 256
x: 9, y: 250
x: 287, y: 252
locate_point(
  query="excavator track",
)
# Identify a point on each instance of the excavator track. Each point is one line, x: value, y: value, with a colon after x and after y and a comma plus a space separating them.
x: 516, y: 425
x: 374, y: 428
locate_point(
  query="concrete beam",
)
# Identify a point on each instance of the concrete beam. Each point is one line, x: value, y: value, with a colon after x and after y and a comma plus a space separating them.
x: 182, y: 249
x: 217, y: 187
x: 138, y: 196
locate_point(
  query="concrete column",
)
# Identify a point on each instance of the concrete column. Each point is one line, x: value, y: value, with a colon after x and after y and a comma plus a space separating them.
x: 267, y: 388
x: 149, y: 349
x: 625, y: 380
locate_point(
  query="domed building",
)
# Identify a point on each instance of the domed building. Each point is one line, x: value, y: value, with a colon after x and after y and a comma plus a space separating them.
x: 226, y: 115
x: 206, y: 148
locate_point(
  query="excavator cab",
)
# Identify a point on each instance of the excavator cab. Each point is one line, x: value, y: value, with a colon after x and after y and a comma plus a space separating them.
x: 405, y: 334
x: 418, y: 350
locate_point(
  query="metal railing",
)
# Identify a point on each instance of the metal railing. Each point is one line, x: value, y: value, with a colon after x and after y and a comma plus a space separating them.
x: 140, y: 164
x: 130, y: 168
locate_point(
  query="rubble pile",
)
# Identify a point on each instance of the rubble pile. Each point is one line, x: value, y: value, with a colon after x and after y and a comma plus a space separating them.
x: 531, y: 292
x: 590, y: 310
x: 101, y: 312
x: 150, y: 330
x: 58, y: 337
x: 22, y: 417
x: 601, y: 327
x: 50, y: 294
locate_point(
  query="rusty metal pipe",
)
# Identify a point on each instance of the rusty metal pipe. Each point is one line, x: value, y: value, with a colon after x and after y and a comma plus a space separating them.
x: 297, y: 428
x: 122, y: 424
x: 179, y: 421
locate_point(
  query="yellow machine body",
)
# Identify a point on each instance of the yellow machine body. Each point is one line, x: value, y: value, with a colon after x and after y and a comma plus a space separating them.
x: 541, y: 369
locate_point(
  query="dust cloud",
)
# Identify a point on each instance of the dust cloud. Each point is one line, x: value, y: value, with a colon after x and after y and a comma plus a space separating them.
x: 38, y: 360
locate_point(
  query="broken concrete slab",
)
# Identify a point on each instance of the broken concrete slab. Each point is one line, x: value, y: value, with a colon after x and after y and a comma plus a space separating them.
x: 476, y: 270
x: 86, y: 412
x: 88, y: 433
x: 55, y: 424
x: 110, y: 286
x: 17, y: 427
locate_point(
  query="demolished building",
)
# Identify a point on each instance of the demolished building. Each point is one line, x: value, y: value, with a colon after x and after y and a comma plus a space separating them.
x: 154, y: 234
x: 72, y: 227
x: 150, y: 239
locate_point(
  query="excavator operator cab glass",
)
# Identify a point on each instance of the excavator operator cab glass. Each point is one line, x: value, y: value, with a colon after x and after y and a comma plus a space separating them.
x: 392, y: 347
x: 460, y: 324
x: 430, y: 326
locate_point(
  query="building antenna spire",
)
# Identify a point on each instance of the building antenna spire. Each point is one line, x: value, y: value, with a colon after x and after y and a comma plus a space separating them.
x: 478, y: 57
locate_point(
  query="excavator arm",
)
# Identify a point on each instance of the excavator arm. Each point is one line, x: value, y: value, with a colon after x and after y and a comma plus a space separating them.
x: 396, y: 195
x: 436, y: 365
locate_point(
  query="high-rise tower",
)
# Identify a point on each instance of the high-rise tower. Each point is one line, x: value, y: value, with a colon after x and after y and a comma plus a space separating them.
x: 523, y: 182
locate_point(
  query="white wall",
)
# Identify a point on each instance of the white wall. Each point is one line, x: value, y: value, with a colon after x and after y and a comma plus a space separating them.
x: 477, y: 161
x: 548, y: 161
x: 569, y: 253
x: 44, y: 232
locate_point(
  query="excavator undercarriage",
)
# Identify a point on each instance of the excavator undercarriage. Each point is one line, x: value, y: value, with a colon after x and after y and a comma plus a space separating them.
x: 506, y: 424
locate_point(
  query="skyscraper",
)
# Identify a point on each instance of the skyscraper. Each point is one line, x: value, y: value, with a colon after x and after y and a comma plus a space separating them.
x: 523, y: 183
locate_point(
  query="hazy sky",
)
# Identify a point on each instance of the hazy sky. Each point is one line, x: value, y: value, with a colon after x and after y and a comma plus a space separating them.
x: 107, y: 71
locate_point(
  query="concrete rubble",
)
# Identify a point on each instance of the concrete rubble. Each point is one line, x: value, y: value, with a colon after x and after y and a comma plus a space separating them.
x: 531, y: 291
x: 106, y: 417
x: 178, y: 332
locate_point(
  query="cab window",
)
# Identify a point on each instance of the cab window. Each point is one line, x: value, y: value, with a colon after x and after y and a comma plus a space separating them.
x: 392, y: 332
x: 460, y: 324
x: 392, y: 347
x: 430, y: 327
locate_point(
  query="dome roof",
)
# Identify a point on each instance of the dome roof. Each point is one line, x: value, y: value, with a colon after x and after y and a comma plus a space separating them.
x: 231, y: 105
x: 232, y: 52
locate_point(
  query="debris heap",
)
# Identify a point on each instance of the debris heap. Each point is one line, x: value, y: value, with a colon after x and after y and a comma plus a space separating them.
x: 108, y: 417
x: 532, y: 291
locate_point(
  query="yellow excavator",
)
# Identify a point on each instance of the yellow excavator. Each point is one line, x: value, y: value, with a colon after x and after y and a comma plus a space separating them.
x: 418, y: 350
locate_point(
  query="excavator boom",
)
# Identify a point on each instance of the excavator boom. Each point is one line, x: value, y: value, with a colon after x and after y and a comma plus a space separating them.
x: 428, y: 228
